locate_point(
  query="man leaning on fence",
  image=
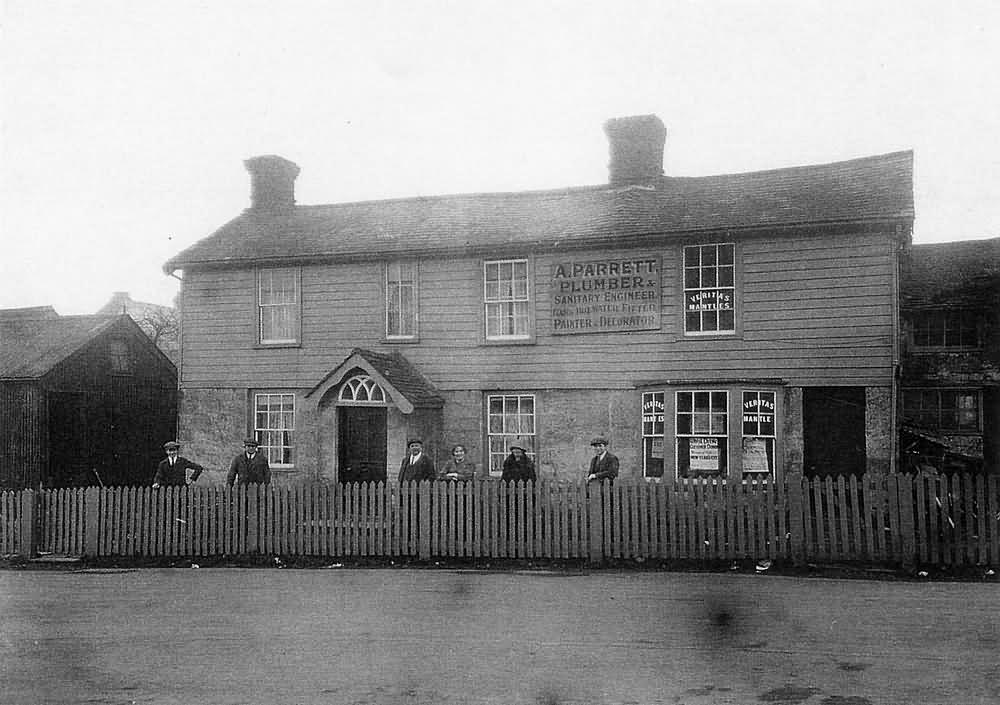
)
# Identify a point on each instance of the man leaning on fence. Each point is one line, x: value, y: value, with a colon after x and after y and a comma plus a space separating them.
x: 250, y: 466
x: 604, y: 465
x: 173, y: 470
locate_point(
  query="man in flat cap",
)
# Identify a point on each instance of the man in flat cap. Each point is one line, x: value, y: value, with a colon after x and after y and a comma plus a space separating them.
x: 416, y: 465
x: 604, y: 465
x: 173, y: 470
x: 250, y: 466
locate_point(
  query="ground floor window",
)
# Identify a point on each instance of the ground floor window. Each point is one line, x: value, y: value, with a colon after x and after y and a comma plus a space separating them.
x: 758, y: 432
x: 652, y: 434
x: 719, y: 431
x: 274, y: 427
x: 702, y: 433
x: 510, y: 421
x: 943, y: 409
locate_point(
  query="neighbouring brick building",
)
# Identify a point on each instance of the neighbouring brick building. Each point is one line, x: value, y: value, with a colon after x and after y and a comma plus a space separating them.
x: 951, y: 365
x: 736, y: 325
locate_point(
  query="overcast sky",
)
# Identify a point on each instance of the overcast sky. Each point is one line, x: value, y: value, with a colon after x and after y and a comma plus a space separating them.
x: 125, y: 124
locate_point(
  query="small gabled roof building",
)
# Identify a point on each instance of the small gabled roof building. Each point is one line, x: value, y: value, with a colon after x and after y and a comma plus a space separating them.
x: 84, y: 400
x: 738, y: 325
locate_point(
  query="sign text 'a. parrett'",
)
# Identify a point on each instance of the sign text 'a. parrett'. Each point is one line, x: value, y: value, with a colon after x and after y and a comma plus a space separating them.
x: 606, y: 295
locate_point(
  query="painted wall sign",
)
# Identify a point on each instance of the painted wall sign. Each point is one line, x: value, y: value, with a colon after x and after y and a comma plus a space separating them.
x: 608, y: 295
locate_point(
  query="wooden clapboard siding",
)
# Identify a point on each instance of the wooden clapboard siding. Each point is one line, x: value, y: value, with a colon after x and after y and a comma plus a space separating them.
x: 812, y: 310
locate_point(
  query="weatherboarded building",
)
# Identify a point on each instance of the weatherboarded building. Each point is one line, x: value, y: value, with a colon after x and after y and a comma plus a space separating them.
x: 950, y: 379
x: 84, y: 400
x: 740, y: 325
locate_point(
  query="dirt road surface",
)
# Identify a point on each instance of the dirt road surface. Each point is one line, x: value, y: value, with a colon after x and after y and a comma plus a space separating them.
x: 412, y: 636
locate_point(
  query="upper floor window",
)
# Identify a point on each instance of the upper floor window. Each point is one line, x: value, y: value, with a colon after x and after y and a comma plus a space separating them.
x: 710, y: 289
x: 702, y: 433
x: 945, y: 329
x: 507, y: 299
x: 401, y: 300
x: 279, y: 305
x: 274, y: 427
x: 120, y: 357
x: 943, y: 409
x: 758, y: 432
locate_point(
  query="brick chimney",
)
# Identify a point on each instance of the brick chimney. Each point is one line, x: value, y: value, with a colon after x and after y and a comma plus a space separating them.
x: 272, y: 182
x: 636, y: 148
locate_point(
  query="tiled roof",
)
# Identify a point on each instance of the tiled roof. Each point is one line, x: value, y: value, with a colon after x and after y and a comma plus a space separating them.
x: 392, y: 368
x: 29, y: 348
x: 402, y: 375
x: 965, y: 273
x: 866, y: 189
x: 33, y: 312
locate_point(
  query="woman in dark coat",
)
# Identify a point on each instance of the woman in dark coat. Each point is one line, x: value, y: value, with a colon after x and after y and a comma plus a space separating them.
x: 517, y: 466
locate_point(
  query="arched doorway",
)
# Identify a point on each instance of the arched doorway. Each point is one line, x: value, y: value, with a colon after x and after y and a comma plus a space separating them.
x: 361, y: 430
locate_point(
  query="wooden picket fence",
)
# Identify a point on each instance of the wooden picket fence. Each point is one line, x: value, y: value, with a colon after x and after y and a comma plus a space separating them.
x: 893, y: 519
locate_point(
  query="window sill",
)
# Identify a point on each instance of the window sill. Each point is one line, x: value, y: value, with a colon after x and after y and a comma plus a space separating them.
x: 276, y: 346
x: 400, y: 341
x: 509, y: 341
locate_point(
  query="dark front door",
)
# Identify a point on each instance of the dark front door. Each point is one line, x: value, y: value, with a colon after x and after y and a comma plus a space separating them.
x: 361, y: 443
x: 833, y: 431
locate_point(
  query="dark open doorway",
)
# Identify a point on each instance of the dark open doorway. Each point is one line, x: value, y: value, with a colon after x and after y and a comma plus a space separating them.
x: 361, y: 443
x: 833, y: 431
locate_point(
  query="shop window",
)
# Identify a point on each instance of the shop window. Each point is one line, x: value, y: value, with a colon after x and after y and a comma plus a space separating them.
x: 652, y: 434
x: 401, y: 300
x: 758, y: 433
x: 274, y: 427
x: 507, y: 299
x: 944, y: 329
x: 709, y: 289
x: 943, y: 409
x: 510, y: 421
x: 279, y: 306
x: 702, y: 423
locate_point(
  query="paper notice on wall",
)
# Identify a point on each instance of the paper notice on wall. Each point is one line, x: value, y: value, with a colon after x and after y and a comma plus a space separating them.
x: 705, y: 454
x: 755, y: 455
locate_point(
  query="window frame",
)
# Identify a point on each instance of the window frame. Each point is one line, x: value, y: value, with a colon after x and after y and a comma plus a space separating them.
x: 528, y: 438
x: 915, y: 317
x: 296, y: 306
x: 654, y: 427
x: 685, y: 289
x: 387, y: 289
x: 528, y: 336
x: 974, y: 392
x: 261, y: 433
x: 770, y: 439
x: 723, y: 446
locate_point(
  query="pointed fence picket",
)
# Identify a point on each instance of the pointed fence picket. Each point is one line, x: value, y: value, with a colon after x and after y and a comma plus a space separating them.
x: 946, y: 520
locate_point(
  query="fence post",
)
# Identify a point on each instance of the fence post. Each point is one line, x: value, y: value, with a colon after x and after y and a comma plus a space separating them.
x: 904, y: 495
x: 92, y: 517
x: 595, y: 520
x: 27, y: 538
x: 795, y: 528
x: 252, y: 516
x: 424, y: 519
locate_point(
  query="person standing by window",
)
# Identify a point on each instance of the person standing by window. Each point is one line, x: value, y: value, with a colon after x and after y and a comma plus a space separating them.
x: 250, y: 466
x: 518, y: 466
x: 459, y: 467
